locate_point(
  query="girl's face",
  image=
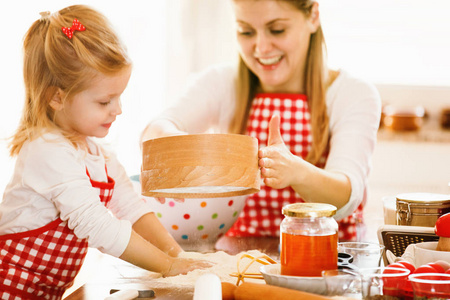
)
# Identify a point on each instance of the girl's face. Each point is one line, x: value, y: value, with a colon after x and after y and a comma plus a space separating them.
x: 92, y: 111
x: 273, y: 38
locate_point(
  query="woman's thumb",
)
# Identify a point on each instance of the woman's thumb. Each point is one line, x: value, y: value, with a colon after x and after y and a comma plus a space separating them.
x: 274, y: 131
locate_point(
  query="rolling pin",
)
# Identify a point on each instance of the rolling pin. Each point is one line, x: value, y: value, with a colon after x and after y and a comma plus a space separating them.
x: 228, y: 291
x: 207, y: 287
x: 256, y: 291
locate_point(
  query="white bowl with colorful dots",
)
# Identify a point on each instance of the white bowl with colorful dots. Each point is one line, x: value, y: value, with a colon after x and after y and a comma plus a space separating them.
x: 196, y: 224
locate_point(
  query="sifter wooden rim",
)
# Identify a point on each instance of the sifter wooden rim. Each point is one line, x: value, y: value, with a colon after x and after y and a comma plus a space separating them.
x: 169, y: 194
x: 225, y: 164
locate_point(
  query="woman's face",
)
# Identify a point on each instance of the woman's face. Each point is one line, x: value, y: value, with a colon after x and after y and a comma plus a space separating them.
x: 273, y: 38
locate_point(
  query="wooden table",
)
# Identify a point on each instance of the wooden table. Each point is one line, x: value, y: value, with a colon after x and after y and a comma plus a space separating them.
x: 113, y: 273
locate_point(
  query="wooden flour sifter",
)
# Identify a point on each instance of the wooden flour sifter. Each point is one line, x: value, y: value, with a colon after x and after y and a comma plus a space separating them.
x: 200, y: 166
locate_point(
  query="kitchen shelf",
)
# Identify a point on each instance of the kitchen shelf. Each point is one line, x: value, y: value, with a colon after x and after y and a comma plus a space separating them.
x: 430, y: 132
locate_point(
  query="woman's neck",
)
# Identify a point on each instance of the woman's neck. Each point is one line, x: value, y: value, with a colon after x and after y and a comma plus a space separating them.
x: 299, y: 88
x: 262, y: 89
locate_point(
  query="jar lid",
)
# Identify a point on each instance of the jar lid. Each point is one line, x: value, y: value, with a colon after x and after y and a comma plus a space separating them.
x: 305, y: 210
x: 423, y: 197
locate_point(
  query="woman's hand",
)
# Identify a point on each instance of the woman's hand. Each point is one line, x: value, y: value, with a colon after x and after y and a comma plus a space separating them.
x: 279, y: 167
x: 181, y: 266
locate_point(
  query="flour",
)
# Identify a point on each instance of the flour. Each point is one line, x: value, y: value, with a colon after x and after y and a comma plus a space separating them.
x: 224, y: 265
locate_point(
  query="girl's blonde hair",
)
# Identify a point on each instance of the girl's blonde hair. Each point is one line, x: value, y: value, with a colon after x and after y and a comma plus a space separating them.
x: 315, y: 87
x: 52, y: 61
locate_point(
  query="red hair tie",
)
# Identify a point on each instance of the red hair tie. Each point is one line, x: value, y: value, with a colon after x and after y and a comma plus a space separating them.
x: 76, y: 25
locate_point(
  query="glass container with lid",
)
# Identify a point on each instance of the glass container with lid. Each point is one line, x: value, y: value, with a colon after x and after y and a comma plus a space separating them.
x: 309, y: 239
x: 421, y: 209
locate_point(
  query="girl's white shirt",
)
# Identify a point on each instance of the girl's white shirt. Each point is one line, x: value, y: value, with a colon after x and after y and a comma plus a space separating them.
x: 353, y: 107
x: 50, y: 181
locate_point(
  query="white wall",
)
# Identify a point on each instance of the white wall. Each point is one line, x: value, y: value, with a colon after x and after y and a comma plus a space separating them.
x: 390, y: 41
x: 142, y: 27
x: 401, y: 42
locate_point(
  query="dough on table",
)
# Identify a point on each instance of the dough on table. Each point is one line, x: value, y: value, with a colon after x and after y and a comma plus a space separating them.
x: 224, y: 265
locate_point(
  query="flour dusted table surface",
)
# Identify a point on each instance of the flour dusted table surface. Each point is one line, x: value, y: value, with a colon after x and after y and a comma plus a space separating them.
x: 112, y: 273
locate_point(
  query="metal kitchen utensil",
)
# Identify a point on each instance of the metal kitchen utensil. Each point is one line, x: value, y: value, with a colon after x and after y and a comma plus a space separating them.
x: 397, y: 238
x: 345, y: 261
x: 241, y: 274
x: 130, y: 294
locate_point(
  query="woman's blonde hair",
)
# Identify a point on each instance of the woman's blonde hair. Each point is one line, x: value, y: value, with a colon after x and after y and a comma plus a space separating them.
x: 315, y: 87
x: 54, y: 61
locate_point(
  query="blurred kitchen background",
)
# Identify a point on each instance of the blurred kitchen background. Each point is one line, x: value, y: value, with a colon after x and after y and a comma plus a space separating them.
x: 402, y: 46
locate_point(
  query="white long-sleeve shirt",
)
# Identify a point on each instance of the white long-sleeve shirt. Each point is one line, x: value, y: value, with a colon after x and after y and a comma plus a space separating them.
x: 50, y: 181
x: 353, y: 108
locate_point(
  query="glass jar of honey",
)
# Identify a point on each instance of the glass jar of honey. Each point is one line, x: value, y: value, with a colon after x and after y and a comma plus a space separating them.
x: 309, y: 239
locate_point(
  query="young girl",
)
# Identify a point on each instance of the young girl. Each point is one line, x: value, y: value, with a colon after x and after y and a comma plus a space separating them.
x: 318, y: 146
x: 67, y: 192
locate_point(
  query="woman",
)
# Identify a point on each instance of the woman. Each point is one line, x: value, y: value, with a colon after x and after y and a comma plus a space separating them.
x: 318, y: 144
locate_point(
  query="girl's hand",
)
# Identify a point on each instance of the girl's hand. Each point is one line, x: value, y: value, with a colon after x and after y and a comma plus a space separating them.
x: 278, y: 165
x: 181, y: 266
x: 163, y: 200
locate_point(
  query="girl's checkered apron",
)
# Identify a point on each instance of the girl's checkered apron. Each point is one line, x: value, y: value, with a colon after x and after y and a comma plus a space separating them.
x: 42, y: 263
x: 262, y: 215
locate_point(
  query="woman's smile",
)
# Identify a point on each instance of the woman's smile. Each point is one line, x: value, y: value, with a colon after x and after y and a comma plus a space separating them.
x: 270, y: 62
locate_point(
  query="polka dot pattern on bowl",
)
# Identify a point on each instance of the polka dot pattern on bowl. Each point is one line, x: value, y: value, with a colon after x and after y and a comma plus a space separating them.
x: 196, y: 220
x: 201, y: 220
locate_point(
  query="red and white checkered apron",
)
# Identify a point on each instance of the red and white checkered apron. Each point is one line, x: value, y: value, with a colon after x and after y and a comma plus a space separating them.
x: 42, y: 263
x: 262, y: 215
